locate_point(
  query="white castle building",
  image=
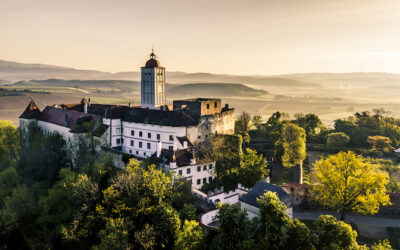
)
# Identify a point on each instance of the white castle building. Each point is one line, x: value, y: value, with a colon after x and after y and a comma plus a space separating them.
x: 155, y: 129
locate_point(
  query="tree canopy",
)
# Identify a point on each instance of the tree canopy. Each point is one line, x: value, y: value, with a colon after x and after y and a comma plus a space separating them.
x: 348, y: 182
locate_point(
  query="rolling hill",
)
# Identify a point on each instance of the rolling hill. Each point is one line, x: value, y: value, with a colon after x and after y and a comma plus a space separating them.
x: 215, y: 90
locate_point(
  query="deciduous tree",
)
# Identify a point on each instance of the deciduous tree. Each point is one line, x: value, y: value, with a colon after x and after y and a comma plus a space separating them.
x: 337, y: 140
x: 293, y: 143
x: 348, y: 182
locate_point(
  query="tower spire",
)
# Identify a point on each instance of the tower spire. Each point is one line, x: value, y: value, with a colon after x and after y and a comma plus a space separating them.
x: 152, y: 55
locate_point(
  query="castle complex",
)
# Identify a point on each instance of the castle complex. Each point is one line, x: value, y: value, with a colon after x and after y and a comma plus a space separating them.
x: 168, y: 133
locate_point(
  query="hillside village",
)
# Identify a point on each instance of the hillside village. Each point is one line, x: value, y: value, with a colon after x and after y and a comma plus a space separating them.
x: 192, y: 174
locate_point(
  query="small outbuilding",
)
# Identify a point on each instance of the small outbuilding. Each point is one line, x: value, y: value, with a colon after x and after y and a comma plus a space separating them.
x: 249, y: 202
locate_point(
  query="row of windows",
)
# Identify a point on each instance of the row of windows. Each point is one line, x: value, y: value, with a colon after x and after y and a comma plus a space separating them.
x: 204, y: 180
x: 149, y: 135
x: 198, y: 169
x: 215, y: 105
x: 204, y: 167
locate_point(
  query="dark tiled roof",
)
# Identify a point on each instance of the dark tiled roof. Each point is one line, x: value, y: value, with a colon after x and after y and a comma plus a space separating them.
x: 59, y: 116
x: 176, y: 118
x: 181, y: 139
x: 152, y: 63
x: 261, y: 188
x: 182, y: 157
x: 31, y: 112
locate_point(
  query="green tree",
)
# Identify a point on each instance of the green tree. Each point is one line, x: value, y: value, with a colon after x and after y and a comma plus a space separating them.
x: 337, y: 140
x: 257, y: 120
x: 233, y: 232
x: 348, y: 182
x: 309, y: 123
x: 334, y: 234
x: 188, y: 212
x: 293, y: 143
x: 380, y: 144
x: 277, y: 230
x: 9, y: 145
x: 190, y: 237
x: 253, y: 168
x: 243, y: 122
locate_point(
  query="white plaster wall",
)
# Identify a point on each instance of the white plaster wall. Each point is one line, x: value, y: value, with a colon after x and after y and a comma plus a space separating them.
x: 163, y: 131
x: 196, y: 175
x: 48, y: 128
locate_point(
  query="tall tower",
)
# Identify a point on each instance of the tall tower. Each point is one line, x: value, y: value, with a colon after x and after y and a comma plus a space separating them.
x: 153, y: 84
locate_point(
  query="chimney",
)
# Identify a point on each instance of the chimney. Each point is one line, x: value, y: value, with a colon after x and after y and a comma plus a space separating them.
x: 129, y: 104
x: 193, y: 159
x: 159, y: 149
x: 85, y: 106
x: 89, y: 102
x: 185, y: 144
x: 66, y: 119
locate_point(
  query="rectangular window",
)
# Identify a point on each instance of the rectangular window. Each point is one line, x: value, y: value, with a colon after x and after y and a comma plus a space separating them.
x: 198, y: 181
x: 171, y: 137
x: 122, y: 140
x: 198, y: 169
x: 210, y: 179
x: 140, y: 144
x: 132, y: 132
x: 148, y: 145
x: 180, y: 172
x: 118, y: 141
x: 140, y: 133
x: 204, y: 168
x: 204, y: 180
x: 132, y: 143
x: 215, y: 104
x: 208, y: 106
x: 158, y: 136
x: 149, y: 135
x: 210, y: 167
x: 188, y: 170
x: 170, y: 148
x: 118, y: 131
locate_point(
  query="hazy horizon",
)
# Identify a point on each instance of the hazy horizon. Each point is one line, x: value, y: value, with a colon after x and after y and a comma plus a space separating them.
x: 224, y: 37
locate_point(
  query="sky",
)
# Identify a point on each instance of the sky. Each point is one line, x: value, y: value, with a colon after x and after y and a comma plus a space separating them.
x: 252, y: 37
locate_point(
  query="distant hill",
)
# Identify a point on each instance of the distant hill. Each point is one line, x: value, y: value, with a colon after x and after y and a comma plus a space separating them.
x: 13, y: 71
x: 215, y: 90
x: 121, y: 84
